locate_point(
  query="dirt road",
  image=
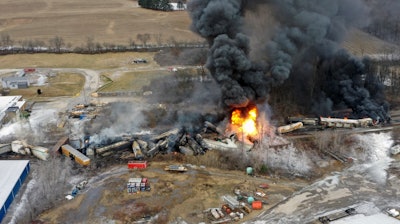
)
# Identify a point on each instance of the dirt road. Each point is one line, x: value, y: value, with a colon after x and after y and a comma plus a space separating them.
x: 185, y: 195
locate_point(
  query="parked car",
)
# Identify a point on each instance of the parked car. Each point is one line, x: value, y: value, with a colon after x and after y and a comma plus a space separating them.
x: 139, y: 60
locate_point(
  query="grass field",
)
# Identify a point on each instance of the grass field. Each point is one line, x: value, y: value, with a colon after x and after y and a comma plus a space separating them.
x: 133, y: 81
x: 96, y: 61
x: 116, y: 22
x: 63, y: 84
x: 75, y: 21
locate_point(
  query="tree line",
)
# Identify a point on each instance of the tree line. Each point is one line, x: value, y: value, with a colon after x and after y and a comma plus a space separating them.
x: 58, y: 45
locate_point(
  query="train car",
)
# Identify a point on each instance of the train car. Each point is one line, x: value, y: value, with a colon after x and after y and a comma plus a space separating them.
x: 77, y: 156
x: 289, y: 127
x: 345, y: 123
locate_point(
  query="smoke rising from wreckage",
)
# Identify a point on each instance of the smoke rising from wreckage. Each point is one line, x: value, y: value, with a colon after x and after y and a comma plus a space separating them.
x: 303, y: 52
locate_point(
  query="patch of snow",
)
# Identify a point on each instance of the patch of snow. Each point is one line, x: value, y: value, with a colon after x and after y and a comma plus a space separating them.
x: 21, y: 206
x: 375, y: 157
x: 367, y: 219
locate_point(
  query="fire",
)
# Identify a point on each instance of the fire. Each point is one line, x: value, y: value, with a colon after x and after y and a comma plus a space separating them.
x: 245, y: 122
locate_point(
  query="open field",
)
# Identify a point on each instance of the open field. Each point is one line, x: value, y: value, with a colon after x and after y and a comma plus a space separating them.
x: 119, y: 22
x: 63, y: 84
x: 116, y: 22
x: 96, y: 61
x: 133, y: 81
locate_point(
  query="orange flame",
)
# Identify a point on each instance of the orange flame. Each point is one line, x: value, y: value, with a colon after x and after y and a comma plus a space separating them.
x: 246, y: 123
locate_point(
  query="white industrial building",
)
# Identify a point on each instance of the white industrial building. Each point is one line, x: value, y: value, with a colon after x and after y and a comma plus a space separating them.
x: 10, y: 106
x: 15, y: 82
x: 12, y: 175
x: 178, y: 6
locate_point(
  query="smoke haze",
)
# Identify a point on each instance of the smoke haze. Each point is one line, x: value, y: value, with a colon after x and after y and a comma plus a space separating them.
x: 296, y: 44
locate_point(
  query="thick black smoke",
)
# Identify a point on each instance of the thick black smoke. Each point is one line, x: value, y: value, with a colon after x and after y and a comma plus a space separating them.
x: 220, y: 22
x: 303, y: 51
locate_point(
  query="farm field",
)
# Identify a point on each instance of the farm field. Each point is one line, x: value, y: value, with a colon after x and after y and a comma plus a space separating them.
x: 117, y: 22
x: 96, y: 61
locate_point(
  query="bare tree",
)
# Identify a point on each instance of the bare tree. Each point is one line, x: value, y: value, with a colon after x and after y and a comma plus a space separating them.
x: 48, y: 186
x: 143, y: 38
x: 98, y: 46
x: 28, y: 45
x: 57, y: 43
x: 90, y: 44
x: 175, y: 50
x: 158, y: 38
x: 132, y: 43
x: 6, y: 40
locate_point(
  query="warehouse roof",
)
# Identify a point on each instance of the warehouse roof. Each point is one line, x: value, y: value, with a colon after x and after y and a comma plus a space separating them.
x: 8, y: 101
x: 11, y: 170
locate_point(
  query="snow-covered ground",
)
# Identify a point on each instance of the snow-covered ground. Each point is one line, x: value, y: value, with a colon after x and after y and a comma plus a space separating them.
x: 366, y: 186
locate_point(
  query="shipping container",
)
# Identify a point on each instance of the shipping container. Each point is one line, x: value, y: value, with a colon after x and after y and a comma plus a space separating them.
x: 138, y: 184
x: 137, y: 164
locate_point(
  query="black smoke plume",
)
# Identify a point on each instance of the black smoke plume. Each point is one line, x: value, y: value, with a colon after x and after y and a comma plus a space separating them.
x: 220, y: 22
x: 302, y: 51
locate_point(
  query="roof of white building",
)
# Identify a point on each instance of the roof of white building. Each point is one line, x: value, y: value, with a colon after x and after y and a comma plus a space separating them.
x: 10, y: 170
x: 8, y: 101
x: 14, y: 79
x: 174, y: 6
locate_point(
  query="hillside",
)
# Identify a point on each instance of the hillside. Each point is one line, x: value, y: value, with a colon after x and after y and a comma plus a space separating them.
x: 361, y: 43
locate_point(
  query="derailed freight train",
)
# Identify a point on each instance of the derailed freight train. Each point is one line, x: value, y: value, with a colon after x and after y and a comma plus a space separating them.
x: 327, y: 122
x: 346, y: 123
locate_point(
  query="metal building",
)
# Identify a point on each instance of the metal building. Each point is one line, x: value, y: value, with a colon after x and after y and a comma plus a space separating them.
x: 12, y: 175
x: 10, y: 106
x: 15, y: 82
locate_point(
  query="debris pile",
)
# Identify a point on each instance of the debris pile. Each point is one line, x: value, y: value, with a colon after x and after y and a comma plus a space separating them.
x: 177, y: 168
x: 21, y: 147
x: 82, y: 111
x: 237, y: 207
x: 179, y: 141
